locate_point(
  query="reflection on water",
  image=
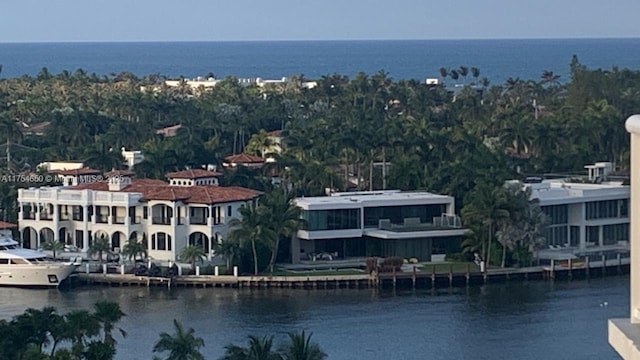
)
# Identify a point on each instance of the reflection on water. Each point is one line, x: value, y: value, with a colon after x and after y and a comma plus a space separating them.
x: 528, y: 320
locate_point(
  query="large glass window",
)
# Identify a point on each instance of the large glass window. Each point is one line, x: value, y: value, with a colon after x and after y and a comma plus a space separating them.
x: 397, y: 214
x: 611, y: 234
x: 338, y: 219
x: 557, y: 235
x: 557, y: 214
x: 607, y: 209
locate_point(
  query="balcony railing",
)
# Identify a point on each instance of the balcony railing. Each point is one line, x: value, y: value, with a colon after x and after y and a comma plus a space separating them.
x: 118, y: 219
x: 46, y: 216
x: 160, y: 220
x: 102, y: 219
x: 198, y: 220
x: 135, y: 219
x: 28, y: 215
x: 443, y: 222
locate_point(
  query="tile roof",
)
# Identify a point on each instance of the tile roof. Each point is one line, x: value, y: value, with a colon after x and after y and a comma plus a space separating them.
x: 120, y: 173
x: 275, y: 133
x: 6, y: 225
x: 77, y: 172
x: 159, y: 190
x: 192, y: 174
x: 244, y: 159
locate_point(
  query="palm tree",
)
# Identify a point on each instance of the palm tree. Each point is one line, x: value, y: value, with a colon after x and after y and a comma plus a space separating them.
x: 486, y: 205
x: 99, y: 246
x: 135, y: 248
x: 252, y: 228
x: 182, y: 345
x: 109, y: 313
x: 283, y: 216
x: 229, y: 250
x: 258, y: 349
x: 81, y: 326
x: 192, y: 254
x: 53, y: 246
x: 300, y: 347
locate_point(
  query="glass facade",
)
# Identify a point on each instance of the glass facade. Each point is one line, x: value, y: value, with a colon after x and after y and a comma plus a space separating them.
x: 339, y: 219
x: 556, y: 214
x: 397, y: 214
x: 611, y: 234
x: 607, y: 209
x: 557, y: 235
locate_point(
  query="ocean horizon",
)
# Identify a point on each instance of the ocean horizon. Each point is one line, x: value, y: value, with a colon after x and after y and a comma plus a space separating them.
x: 497, y: 59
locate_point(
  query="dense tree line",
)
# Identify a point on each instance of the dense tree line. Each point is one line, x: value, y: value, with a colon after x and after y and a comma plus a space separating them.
x: 365, y: 132
x: 83, y: 335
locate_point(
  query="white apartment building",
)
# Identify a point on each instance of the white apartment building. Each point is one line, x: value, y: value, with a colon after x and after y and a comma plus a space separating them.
x: 189, y: 210
x: 378, y: 223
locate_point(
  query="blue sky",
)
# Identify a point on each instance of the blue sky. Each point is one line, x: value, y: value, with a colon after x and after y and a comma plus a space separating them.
x: 231, y: 20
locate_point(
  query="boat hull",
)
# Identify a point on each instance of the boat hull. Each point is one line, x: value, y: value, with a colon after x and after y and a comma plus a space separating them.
x: 31, y: 275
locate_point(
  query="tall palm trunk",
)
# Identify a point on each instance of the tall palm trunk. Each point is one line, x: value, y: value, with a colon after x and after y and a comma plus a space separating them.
x: 504, y: 254
x: 488, y: 258
x: 274, y: 254
x: 255, y: 257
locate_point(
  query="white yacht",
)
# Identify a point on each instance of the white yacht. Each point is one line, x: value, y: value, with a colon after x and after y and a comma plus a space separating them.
x: 26, y: 267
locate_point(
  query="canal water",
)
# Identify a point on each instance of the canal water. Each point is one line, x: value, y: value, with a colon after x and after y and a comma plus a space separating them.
x: 516, y: 320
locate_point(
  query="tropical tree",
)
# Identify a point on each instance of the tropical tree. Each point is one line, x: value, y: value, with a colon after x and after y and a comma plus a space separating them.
x: 300, y: 347
x: 252, y: 228
x: 283, y: 216
x: 109, y: 313
x: 182, y: 345
x: 53, y: 246
x: 258, y: 349
x: 486, y: 205
x: 193, y: 254
x: 136, y: 248
x: 99, y: 246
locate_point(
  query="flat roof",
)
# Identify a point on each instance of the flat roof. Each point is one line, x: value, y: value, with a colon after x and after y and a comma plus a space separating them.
x: 554, y: 192
x: 370, y: 199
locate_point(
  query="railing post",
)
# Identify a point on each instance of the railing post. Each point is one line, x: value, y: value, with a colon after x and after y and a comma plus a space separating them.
x: 122, y: 269
x: 235, y: 271
x: 216, y: 271
x: 104, y: 268
x: 198, y: 270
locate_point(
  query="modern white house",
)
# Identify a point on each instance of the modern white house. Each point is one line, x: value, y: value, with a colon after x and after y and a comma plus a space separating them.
x: 188, y: 210
x: 583, y: 216
x: 377, y: 223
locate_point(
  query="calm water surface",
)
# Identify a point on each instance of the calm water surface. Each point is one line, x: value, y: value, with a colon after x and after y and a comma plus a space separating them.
x: 528, y: 320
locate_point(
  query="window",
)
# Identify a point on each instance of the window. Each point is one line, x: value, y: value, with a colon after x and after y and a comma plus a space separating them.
x: 338, y: 219
x: 161, y: 241
x: 145, y: 212
x: 611, y: 234
x: 607, y: 209
x: 229, y: 211
x: 556, y: 214
x: 575, y: 236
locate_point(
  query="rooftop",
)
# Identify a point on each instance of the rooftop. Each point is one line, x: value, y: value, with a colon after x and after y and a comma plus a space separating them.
x: 77, y: 172
x: 551, y: 192
x: 192, y: 174
x: 159, y: 190
x: 5, y: 225
x: 243, y: 159
x: 372, y: 198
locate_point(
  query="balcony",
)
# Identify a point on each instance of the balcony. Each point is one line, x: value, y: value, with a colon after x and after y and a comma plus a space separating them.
x: 161, y: 220
x: 135, y: 219
x: 102, y: 218
x: 444, y: 222
x: 198, y: 220
x: 118, y: 219
x: 46, y: 216
x: 28, y: 215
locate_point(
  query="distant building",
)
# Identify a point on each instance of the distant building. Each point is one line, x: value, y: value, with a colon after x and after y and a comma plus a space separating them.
x: 584, y: 217
x: 378, y: 223
x: 244, y: 159
x: 169, y: 131
x: 132, y: 157
x: 189, y: 210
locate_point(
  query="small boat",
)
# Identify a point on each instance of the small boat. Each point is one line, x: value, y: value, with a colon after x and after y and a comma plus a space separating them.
x: 30, y: 268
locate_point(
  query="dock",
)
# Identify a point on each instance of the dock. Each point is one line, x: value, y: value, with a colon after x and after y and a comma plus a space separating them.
x: 400, y: 279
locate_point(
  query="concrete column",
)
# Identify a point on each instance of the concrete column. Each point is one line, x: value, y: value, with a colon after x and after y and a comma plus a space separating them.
x: 235, y: 271
x: 633, y: 126
x: 216, y: 271
x: 198, y: 270
x: 122, y: 269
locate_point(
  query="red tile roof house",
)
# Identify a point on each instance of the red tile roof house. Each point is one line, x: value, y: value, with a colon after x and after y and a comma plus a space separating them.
x: 190, y: 209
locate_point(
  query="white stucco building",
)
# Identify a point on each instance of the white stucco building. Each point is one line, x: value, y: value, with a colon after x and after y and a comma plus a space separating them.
x: 378, y: 223
x: 189, y: 210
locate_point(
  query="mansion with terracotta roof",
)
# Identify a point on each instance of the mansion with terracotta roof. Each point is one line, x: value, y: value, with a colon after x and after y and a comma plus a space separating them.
x: 189, y: 209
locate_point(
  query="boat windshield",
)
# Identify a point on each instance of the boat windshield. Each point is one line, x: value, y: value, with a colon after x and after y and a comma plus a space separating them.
x: 40, y: 260
x: 8, y: 247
